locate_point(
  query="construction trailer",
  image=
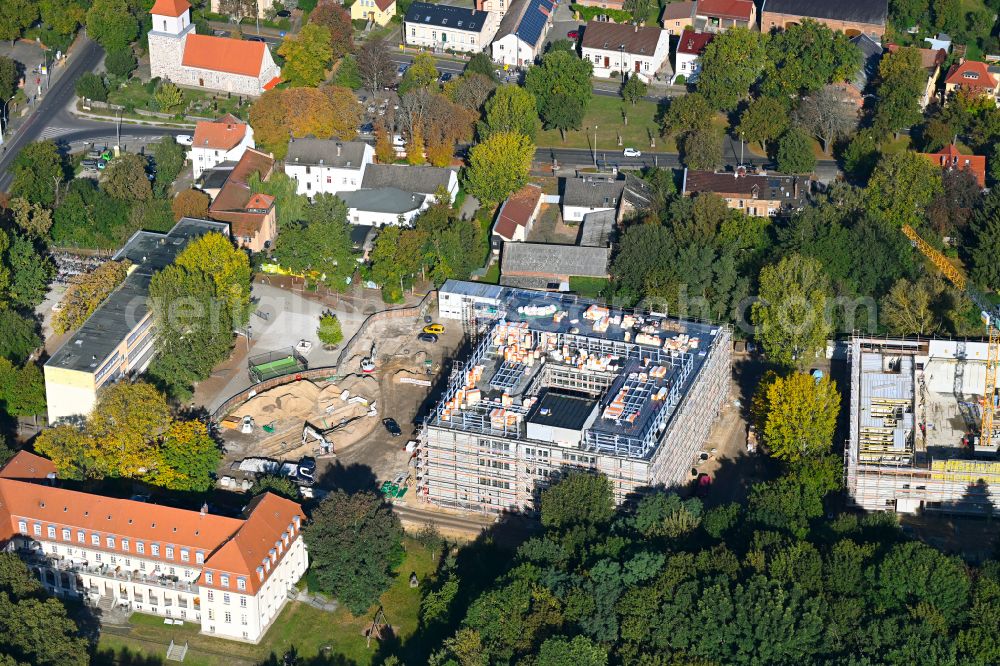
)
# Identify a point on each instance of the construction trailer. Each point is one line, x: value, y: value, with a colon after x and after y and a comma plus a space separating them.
x: 915, y: 414
x: 555, y: 382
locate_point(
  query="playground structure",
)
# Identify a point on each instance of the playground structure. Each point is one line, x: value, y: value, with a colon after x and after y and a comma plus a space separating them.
x: 275, y: 364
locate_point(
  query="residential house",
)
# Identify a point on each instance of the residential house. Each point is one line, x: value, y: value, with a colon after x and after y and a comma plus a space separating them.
x: 211, y: 181
x: 229, y: 576
x: 678, y: 16
x: 252, y: 217
x: 380, y: 12
x: 419, y: 179
x: 931, y: 62
x: 498, y: 6
x: 687, y: 57
x: 603, y: 4
x: 327, y: 166
x: 590, y: 193
x: 521, y: 35
x: 118, y: 337
x: 223, y: 64
x: 383, y: 206
x: 449, y: 28
x: 940, y: 43
x: 852, y: 17
x: 218, y: 141
x: 550, y: 267
x: 618, y: 49
x: 261, y: 6
x: 719, y: 15
x: 949, y: 158
x: 516, y: 216
x: 871, y: 56
x: 759, y: 195
x: 972, y: 76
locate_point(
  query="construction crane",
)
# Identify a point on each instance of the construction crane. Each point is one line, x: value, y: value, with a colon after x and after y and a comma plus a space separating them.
x: 990, y: 316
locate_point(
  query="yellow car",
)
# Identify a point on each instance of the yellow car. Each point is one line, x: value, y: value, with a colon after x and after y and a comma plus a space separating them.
x: 435, y: 329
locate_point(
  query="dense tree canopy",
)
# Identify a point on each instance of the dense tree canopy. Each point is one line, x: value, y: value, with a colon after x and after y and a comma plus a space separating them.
x: 731, y: 64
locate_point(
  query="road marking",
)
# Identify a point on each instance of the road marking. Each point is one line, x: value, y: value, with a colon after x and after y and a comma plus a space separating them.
x: 52, y: 132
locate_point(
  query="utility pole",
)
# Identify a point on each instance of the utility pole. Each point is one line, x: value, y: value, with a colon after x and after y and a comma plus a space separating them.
x: 595, y: 146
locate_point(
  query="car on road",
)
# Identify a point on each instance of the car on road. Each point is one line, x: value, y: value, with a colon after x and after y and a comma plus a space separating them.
x: 184, y: 139
x: 402, y: 70
x: 89, y: 164
x: 367, y: 128
x: 427, y: 337
x: 101, y: 164
x: 392, y: 427
x: 436, y: 329
x: 632, y: 152
x: 256, y: 39
x: 446, y: 77
x: 573, y: 34
x: 283, y: 13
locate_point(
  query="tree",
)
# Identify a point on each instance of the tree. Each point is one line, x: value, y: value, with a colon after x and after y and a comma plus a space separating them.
x: 578, y: 651
x: 471, y: 90
x: 168, y: 96
x: 639, y: 9
x: 125, y: 424
x: 633, y: 90
x: 63, y: 16
x: 354, y: 543
x: 790, y: 315
x: 37, y: 169
x: 329, y: 331
x: 307, y: 55
x: 829, y: 114
x: 238, y: 9
x: 30, y: 273
x: 901, y: 186
x: 86, y: 292
x: 91, y: 86
x: 511, y: 109
x: 421, y: 73
x: 908, y: 308
x: 190, y: 203
x: 33, y: 219
x: 18, y: 335
x: 498, y: 167
x: 480, y: 63
x: 346, y: 111
x: 267, y: 116
x: 22, y: 389
x: 795, y: 153
x: 415, y: 146
x: 320, y: 243
x: 169, y: 157
x: 374, y: 65
x: 797, y: 415
x: 337, y: 21
x: 125, y: 178
x: 985, y: 251
x: 687, y: 113
x: 15, y: 16
x: 120, y: 62
x: 763, y: 120
x: 188, y: 458
x: 111, y: 24
x: 702, y: 149
x: 272, y: 483
x: 562, y: 89
x: 731, y: 64
x: 900, y: 85
x: 806, y: 56
x: 385, y: 153
x: 578, y: 499
x: 9, y: 77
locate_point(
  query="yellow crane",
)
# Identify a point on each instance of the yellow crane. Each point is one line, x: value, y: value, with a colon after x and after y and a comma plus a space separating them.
x: 987, y: 313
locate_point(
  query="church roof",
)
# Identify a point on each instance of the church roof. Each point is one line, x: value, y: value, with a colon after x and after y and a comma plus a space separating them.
x: 170, y: 7
x: 224, y: 54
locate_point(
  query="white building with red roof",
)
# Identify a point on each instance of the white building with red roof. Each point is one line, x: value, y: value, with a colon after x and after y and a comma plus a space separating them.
x: 177, y: 53
x: 231, y: 576
x: 687, y: 57
x: 218, y: 141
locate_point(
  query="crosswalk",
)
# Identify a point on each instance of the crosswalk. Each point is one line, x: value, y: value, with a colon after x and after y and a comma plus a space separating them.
x: 53, y: 132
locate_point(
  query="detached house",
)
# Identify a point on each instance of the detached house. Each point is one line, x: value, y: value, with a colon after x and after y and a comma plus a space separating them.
x: 218, y: 141
x: 720, y: 15
x: 626, y: 49
x: 327, y: 166
x: 445, y: 27
x: 974, y: 77
x: 760, y: 195
x: 949, y: 158
x: 687, y: 58
x: 252, y: 217
x: 379, y: 12
x: 522, y: 32
x: 677, y: 16
x: 516, y: 216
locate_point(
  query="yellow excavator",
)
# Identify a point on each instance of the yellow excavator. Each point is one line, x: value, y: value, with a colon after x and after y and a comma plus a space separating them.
x: 989, y: 315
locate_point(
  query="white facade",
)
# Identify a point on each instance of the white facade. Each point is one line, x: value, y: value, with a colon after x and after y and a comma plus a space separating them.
x: 687, y: 65
x: 643, y: 65
x: 453, y: 38
x: 204, y: 158
x: 576, y: 213
x: 313, y: 179
x: 511, y: 50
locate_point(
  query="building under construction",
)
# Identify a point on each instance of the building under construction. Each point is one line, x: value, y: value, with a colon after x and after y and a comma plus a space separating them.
x: 916, y: 410
x: 554, y: 382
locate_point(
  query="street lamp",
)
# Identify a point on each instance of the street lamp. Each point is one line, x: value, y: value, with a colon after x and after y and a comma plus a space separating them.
x: 621, y: 61
x: 3, y: 117
x: 595, y: 146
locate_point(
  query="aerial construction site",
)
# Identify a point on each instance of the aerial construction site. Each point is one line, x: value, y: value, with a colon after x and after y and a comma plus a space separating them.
x: 554, y: 382
x: 916, y: 415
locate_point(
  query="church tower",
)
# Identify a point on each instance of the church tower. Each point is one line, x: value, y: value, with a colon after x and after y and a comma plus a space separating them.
x: 171, y: 26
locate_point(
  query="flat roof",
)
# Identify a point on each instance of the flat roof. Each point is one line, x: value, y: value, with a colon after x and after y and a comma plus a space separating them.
x: 561, y: 410
x: 150, y: 252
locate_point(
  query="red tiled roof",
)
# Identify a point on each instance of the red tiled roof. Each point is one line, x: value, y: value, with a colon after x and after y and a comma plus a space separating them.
x: 170, y: 7
x: 517, y: 210
x: 678, y: 10
x: 224, y: 54
x: 729, y: 9
x: 260, y: 202
x: 273, y: 82
x: 27, y: 466
x: 384, y: 4
x: 693, y: 43
x: 971, y: 74
x: 951, y: 158
x: 929, y: 58
x: 222, y: 134
x: 231, y: 203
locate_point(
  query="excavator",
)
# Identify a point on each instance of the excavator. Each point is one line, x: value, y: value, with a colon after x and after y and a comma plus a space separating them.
x: 990, y: 316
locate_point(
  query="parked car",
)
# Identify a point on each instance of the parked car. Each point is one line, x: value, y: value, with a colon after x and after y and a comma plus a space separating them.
x: 632, y: 152
x: 446, y: 77
x: 89, y: 164
x: 402, y: 70
x: 256, y: 39
x: 283, y: 13
x: 436, y: 329
x: 704, y: 485
x: 427, y: 337
x: 573, y: 34
x: 101, y: 164
x: 392, y: 427
x: 367, y: 128
x: 184, y: 139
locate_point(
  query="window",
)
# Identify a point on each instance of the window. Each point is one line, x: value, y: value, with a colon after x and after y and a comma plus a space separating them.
x: 211, y: 614
x: 169, y: 552
x: 66, y: 534
x: 124, y: 544
x: 95, y: 539
x: 185, y: 555
x: 81, y: 537
x: 37, y: 529
x: 243, y: 619
x: 140, y: 547
x: 210, y: 595
x: 22, y: 526
x: 110, y: 541
x: 224, y: 580
x: 155, y: 549
x: 243, y: 602
x: 97, y: 556
x: 208, y: 577
x: 225, y: 598
x: 51, y: 532
x: 229, y: 618
x: 241, y: 583
x: 199, y: 557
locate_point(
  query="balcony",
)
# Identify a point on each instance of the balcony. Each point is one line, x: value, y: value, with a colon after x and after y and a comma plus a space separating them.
x: 76, y: 566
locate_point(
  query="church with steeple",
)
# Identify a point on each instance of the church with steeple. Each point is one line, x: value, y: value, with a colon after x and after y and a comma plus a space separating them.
x: 177, y: 53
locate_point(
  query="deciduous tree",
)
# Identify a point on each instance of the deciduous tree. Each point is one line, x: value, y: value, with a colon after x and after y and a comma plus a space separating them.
x: 687, y: 113
x: 125, y: 178
x: 806, y: 56
x: 908, y: 308
x: 307, y: 55
x: 111, y: 24
x: 330, y: 331
x: 33, y: 219
x: 168, y: 156
x: 63, y: 16
x: 15, y: 16
x: 790, y: 315
x: 9, y: 77
x: 763, y: 120
x: 37, y: 169
x: 901, y: 186
x: 18, y: 335
x: 900, y: 84
x: 511, y: 109
x: 731, y: 64
x: 190, y: 203
x: 91, y: 86
x: 120, y: 62
x: 633, y: 90
x: 562, y: 89
x: 267, y: 116
x: 337, y: 21
x: 188, y: 458
x: 499, y: 166
x: 421, y: 73
x: 797, y: 415
x: 168, y: 97
x: 795, y: 152
x: 86, y: 292
x: 702, y: 149
x: 375, y: 66
x: 829, y: 114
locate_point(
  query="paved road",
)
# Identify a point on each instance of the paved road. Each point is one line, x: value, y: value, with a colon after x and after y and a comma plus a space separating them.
x: 472, y: 523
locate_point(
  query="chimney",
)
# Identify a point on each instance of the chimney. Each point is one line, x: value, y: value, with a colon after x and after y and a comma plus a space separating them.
x: 338, y: 150
x: 204, y: 508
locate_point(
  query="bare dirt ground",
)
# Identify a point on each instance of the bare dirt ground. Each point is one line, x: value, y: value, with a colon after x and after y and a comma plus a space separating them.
x: 549, y: 228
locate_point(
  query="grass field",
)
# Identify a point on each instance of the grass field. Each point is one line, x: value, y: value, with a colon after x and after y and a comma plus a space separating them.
x: 606, y: 113
x: 309, y: 631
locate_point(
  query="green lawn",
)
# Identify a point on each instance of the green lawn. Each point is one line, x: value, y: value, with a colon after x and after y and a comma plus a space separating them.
x: 606, y: 113
x: 195, y: 102
x: 311, y: 632
x: 588, y: 287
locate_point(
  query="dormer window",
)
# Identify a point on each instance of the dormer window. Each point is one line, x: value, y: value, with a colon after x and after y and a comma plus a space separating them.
x: 971, y: 75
